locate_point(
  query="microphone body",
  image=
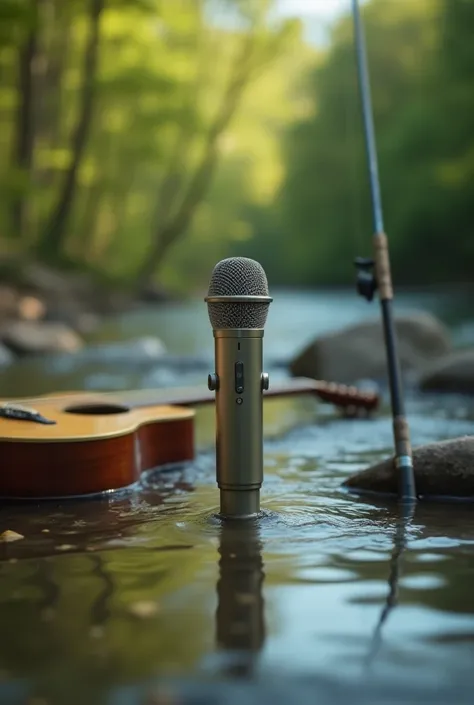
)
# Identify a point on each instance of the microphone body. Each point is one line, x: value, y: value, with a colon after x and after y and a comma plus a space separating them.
x: 239, y: 419
x: 238, y: 304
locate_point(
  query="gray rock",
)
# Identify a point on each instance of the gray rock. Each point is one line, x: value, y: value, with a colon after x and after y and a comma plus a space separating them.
x: 8, y: 302
x: 72, y: 313
x: 67, y: 295
x: 6, y: 356
x: 50, y: 282
x: 451, y: 373
x: 358, y: 352
x: 86, y: 323
x: 445, y: 468
x: 154, y: 294
x: 33, y: 337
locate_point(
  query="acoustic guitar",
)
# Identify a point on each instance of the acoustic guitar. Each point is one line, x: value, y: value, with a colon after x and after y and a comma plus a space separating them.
x: 87, y: 443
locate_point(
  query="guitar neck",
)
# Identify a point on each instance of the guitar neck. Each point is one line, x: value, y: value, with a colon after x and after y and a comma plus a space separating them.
x: 200, y: 396
x: 337, y: 394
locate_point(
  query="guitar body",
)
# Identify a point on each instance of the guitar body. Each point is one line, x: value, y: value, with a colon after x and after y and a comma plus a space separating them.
x: 83, y: 443
x: 93, y: 446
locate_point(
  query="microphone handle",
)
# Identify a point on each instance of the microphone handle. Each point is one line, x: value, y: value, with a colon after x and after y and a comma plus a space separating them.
x: 239, y: 384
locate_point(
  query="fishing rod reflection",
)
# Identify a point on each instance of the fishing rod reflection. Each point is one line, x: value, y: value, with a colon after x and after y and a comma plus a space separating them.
x: 240, y: 622
x: 403, y: 519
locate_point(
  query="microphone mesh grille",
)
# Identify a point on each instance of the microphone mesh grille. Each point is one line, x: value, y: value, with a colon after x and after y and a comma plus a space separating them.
x: 238, y: 276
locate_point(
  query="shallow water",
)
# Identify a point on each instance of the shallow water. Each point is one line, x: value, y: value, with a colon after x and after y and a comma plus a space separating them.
x: 327, y: 597
x: 295, y: 318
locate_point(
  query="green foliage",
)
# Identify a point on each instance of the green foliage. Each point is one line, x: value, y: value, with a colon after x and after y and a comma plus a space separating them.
x: 209, y: 129
x: 421, y: 62
x: 119, y: 118
x: 15, y: 17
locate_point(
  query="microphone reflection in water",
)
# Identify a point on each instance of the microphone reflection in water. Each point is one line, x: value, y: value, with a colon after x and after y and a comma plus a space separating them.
x: 240, y: 611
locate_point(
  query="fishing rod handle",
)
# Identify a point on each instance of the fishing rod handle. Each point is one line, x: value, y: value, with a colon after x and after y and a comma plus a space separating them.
x: 383, y: 275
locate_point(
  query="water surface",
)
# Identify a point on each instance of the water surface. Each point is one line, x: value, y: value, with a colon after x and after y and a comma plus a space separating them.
x: 294, y: 319
x: 327, y: 597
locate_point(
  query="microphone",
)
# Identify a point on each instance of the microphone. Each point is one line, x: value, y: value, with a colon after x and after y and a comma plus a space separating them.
x: 237, y: 304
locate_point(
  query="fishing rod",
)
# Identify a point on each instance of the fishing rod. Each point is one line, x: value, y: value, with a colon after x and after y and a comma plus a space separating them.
x: 375, y: 274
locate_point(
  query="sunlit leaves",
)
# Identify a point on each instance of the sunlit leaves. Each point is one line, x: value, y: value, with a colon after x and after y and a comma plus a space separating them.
x: 424, y: 147
x: 163, y: 73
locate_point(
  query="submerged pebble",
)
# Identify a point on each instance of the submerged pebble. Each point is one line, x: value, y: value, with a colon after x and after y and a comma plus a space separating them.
x: 9, y: 535
x: 144, y: 609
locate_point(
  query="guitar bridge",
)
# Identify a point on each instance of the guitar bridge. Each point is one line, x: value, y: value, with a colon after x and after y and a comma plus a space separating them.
x: 16, y: 412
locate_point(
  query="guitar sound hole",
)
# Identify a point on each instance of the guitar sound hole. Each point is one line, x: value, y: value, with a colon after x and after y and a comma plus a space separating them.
x: 96, y: 409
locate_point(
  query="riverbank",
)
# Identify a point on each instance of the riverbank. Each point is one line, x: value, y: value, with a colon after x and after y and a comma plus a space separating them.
x: 45, y: 310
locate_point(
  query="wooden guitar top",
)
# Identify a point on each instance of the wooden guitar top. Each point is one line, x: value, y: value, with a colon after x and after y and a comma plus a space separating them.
x: 70, y: 427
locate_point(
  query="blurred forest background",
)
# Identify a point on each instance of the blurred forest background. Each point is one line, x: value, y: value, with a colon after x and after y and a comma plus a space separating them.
x: 143, y: 140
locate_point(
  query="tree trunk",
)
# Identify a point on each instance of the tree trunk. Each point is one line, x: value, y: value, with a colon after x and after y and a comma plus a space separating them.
x: 24, y: 140
x: 173, y: 181
x: 170, y: 231
x: 50, y: 107
x: 83, y: 242
x: 55, y: 232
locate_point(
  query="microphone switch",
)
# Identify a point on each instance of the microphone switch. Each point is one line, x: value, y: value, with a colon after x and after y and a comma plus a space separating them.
x: 239, y: 377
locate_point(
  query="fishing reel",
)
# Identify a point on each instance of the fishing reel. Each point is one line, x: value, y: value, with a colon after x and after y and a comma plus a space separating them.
x: 366, y: 282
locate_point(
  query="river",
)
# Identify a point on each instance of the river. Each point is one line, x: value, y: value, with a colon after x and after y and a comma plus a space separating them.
x: 326, y: 598
x: 294, y: 319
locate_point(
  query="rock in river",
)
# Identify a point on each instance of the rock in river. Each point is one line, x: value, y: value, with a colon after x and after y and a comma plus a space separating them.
x: 358, y: 352
x: 451, y: 373
x: 34, y: 337
x: 5, y: 356
x: 445, y: 468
